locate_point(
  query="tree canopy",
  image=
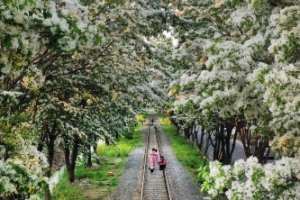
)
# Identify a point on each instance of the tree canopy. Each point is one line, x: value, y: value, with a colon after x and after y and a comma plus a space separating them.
x: 75, y: 71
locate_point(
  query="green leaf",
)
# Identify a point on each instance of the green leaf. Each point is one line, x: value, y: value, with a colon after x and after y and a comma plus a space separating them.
x: 98, y: 39
x: 278, y: 88
x: 8, y: 44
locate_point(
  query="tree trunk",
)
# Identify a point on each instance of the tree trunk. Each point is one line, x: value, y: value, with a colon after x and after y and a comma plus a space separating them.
x: 71, y: 174
x: 95, y: 145
x: 217, y: 147
x: 223, y: 149
x: 6, y: 154
x: 223, y: 152
x: 200, y: 143
x: 47, y: 195
x: 106, y: 140
x: 89, y: 160
x: 49, y: 136
x: 260, y: 151
x: 245, y: 135
x: 229, y: 148
x: 194, y: 134
x: 50, y: 157
x: 41, y: 142
x: 186, y: 132
x: 71, y: 159
x: 206, y: 148
x: 117, y: 136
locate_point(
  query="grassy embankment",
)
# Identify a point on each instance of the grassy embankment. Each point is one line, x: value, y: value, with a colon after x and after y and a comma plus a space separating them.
x: 100, y: 180
x: 189, y: 156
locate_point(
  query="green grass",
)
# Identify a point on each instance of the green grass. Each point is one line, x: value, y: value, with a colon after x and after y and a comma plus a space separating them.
x: 188, y: 155
x: 100, y: 180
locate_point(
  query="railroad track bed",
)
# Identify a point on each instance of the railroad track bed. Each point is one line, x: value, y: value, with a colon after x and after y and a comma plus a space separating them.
x: 155, y: 184
x: 138, y: 183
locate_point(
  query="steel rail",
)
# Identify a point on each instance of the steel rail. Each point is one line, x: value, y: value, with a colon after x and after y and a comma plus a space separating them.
x: 147, y: 186
x: 145, y: 162
x: 164, y: 172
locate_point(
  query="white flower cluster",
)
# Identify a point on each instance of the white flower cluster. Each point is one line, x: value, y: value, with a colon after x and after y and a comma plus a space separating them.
x: 286, y: 30
x: 287, y: 145
x: 251, y: 180
x: 23, y: 179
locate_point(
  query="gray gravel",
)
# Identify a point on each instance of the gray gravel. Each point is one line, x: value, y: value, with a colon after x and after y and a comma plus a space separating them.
x: 181, y: 183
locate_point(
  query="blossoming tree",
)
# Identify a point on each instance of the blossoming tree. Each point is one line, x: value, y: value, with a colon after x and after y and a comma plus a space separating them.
x: 243, y: 60
x: 71, y: 71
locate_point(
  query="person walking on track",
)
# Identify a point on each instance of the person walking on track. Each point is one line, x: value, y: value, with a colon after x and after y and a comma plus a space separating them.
x: 153, y: 157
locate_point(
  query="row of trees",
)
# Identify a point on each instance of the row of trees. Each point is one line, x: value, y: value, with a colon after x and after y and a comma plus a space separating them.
x: 239, y: 69
x: 72, y: 72
x: 76, y: 71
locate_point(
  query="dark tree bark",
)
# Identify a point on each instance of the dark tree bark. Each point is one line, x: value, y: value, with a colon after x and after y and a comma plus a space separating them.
x: 42, y: 138
x: 106, y: 140
x: 215, y: 142
x: 194, y: 133
x: 260, y: 148
x: 229, y: 147
x: 71, y: 158
x: 89, y: 160
x: 117, y: 137
x: 245, y: 135
x: 200, y: 143
x: 223, y: 147
x: 208, y: 143
x: 95, y: 142
x: 49, y: 136
x: 260, y: 145
x: 6, y: 154
x: 187, y: 132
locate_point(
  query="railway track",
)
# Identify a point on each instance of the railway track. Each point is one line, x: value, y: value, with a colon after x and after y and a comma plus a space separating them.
x: 154, y: 184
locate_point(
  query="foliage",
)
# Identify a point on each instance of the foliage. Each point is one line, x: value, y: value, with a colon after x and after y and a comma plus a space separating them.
x: 24, y: 181
x: 203, y: 173
x: 78, y: 72
x: 228, y: 69
x: 251, y: 180
x: 239, y: 60
x: 21, y: 173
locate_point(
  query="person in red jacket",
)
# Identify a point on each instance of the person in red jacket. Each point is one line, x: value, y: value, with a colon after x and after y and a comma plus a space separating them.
x: 162, y: 163
x: 153, y: 157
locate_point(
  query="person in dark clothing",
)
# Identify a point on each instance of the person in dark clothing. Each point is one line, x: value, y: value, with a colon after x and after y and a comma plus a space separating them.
x: 162, y: 163
x: 152, y: 120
